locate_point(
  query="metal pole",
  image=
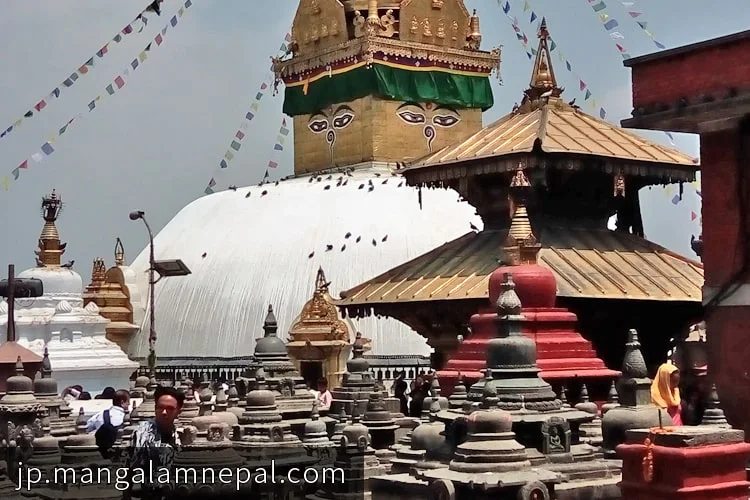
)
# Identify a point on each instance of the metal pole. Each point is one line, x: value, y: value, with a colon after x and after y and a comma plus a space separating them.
x: 152, y: 302
x: 11, y: 303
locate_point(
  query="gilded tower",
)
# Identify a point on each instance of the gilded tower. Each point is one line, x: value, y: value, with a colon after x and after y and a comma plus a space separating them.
x: 383, y: 80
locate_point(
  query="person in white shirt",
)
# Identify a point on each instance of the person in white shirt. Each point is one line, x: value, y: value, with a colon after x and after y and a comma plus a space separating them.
x: 120, y: 404
x: 324, y: 395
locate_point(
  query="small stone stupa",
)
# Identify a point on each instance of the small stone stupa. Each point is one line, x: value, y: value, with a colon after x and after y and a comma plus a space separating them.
x: 591, y: 432
x: 358, y: 384
x: 46, y: 392
x: 713, y: 414
x: 381, y: 424
x: 292, y: 395
x: 191, y: 407
x: 262, y: 436
x: 635, y: 410
x: 18, y: 406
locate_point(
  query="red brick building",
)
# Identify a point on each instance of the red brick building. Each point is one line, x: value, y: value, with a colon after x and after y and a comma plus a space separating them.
x: 704, y: 88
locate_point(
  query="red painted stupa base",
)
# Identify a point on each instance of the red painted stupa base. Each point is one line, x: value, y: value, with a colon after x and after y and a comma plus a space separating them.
x: 562, y: 353
x: 714, y: 471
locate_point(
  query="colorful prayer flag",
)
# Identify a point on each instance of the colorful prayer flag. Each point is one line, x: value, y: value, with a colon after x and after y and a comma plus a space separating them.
x: 229, y: 155
x: 158, y: 39
x: 676, y: 199
x: 693, y: 215
x: 37, y: 157
x: 15, y: 173
x: 506, y: 7
x: 119, y: 82
x: 40, y: 105
x: 47, y: 148
x: 239, y: 135
x: 258, y: 96
x: 134, y: 64
x: 272, y: 164
x: 223, y: 163
x: 173, y: 21
x: 92, y: 105
x: 110, y: 90
x: 599, y: 7
x: 278, y: 147
x: 284, y: 131
x: 55, y: 92
x: 288, y: 37
x: 611, y: 24
x: 249, y: 116
x: 24, y: 164
x: 235, y: 145
x: 602, y: 113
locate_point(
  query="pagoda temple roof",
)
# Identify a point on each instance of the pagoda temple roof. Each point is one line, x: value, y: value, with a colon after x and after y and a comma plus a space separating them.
x: 587, y: 263
x: 545, y: 123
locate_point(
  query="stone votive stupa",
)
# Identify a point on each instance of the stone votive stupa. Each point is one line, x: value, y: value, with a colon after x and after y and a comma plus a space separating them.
x: 613, y: 400
x: 590, y: 432
x: 206, y: 449
x: 357, y: 385
x: 19, y: 410
x: 46, y: 450
x: 233, y: 400
x: 379, y: 421
x: 636, y: 410
x: 221, y: 409
x: 262, y: 436
x: 713, y: 414
x: 491, y: 464
x: 191, y: 407
x: 356, y: 458
x: 316, y: 434
x: 281, y: 376
x: 45, y: 390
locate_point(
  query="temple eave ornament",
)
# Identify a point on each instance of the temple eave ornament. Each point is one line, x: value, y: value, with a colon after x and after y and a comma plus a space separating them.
x: 357, y: 49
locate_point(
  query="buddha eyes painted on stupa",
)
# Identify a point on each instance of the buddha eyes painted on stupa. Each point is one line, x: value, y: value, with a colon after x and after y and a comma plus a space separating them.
x: 429, y: 115
x: 340, y: 118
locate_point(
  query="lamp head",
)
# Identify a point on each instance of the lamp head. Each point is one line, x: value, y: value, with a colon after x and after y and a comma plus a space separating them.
x: 137, y: 214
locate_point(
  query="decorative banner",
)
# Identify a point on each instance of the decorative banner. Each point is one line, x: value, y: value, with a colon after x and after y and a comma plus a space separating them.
x: 140, y: 20
x: 236, y: 142
x: 635, y: 14
x: 278, y: 146
x: 118, y: 83
x: 588, y: 96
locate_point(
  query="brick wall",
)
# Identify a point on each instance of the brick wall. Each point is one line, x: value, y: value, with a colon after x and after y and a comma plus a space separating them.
x: 720, y: 208
x: 711, y: 70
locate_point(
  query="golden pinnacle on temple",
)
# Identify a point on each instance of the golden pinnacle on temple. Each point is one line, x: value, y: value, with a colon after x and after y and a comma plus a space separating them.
x: 99, y: 271
x: 321, y: 285
x: 50, y: 249
x: 119, y: 253
x: 543, y: 81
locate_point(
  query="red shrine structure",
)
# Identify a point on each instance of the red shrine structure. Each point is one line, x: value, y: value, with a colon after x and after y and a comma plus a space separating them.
x: 563, y: 355
x: 590, y: 284
x: 707, y: 92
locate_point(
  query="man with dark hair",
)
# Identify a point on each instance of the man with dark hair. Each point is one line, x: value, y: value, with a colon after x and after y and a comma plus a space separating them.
x: 116, y: 414
x: 156, y: 441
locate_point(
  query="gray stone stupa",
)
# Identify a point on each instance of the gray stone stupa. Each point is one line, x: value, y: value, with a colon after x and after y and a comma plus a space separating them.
x: 45, y: 390
x: 357, y: 385
x: 635, y: 410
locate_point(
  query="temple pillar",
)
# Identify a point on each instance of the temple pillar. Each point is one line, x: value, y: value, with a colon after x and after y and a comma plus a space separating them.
x: 699, y: 462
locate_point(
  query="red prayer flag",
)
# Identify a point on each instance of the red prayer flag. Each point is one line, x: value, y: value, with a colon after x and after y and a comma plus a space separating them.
x: 40, y: 105
x: 620, y: 47
x: 119, y: 82
x: 24, y: 164
x: 283, y: 122
x: 583, y: 85
x: 693, y: 216
x: 158, y: 39
x: 239, y: 135
x: 127, y: 30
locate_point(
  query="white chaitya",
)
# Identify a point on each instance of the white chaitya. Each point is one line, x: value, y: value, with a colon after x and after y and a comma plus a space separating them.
x: 74, y: 335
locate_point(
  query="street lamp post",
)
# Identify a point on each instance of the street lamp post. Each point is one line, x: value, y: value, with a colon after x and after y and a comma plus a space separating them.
x: 164, y: 268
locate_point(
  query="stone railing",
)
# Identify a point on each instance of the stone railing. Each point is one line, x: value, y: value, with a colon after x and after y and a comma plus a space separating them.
x: 385, y: 368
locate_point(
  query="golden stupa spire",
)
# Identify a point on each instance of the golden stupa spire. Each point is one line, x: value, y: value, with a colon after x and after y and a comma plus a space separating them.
x: 119, y: 253
x: 321, y: 285
x: 521, y: 245
x: 99, y: 272
x: 543, y: 81
x: 50, y: 249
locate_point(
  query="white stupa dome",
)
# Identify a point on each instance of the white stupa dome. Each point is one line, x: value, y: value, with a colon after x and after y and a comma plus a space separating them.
x: 264, y: 244
x: 57, y: 282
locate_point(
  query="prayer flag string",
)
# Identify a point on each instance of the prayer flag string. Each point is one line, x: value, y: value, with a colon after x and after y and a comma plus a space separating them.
x: 140, y: 21
x: 240, y: 134
x: 111, y: 89
x: 636, y: 16
x: 610, y: 23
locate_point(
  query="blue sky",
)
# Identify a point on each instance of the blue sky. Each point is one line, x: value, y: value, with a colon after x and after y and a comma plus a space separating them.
x: 155, y: 144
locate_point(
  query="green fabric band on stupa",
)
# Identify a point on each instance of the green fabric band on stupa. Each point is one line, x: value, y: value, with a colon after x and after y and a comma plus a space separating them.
x: 386, y: 82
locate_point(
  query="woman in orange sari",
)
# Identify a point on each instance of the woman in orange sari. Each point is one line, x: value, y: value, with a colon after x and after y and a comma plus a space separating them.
x: 665, y: 392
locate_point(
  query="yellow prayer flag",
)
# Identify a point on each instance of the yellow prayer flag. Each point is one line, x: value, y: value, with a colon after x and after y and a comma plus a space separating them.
x: 648, y: 33
x: 526, y: 6
x: 6, y: 182
x: 604, y: 17
x: 181, y: 11
x: 142, y: 56
x: 18, y: 123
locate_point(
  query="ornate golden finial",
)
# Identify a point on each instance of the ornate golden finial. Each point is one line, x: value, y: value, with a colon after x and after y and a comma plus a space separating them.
x: 119, y: 253
x: 619, y: 185
x: 98, y: 273
x: 373, y: 19
x: 521, y: 246
x: 474, y: 40
x: 321, y: 285
x: 50, y: 249
x: 543, y: 74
